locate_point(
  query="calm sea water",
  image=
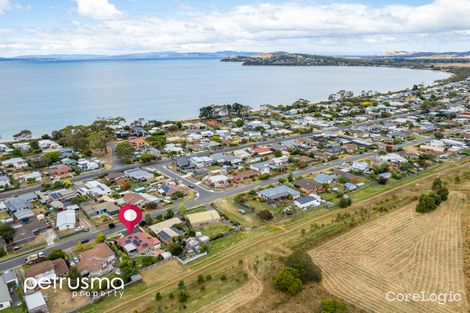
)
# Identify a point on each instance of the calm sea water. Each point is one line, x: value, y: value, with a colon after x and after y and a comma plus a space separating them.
x: 44, y: 96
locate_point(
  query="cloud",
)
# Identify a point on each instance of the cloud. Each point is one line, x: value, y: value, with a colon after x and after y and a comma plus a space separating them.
x: 98, y: 9
x: 4, y: 6
x: 290, y: 26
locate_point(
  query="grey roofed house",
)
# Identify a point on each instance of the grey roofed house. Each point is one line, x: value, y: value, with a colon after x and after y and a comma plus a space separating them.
x: 62, y: 195
x: 4, y: 295
x: 305, y: 200
x: 36, y: 303
x: 138, y: 174
x: 278, y: 192
x: 184, y: 163
x: 4, y: 180
x: 225, y: 158
x: 10, y: 276
x: 23, y: 214
x: 16, y: 204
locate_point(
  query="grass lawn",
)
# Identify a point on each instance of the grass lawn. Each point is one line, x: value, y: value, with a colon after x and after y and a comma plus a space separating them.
x: 375, y: 188
x: 215, y: 230
x: 14, y: 309
x: 198, y: 209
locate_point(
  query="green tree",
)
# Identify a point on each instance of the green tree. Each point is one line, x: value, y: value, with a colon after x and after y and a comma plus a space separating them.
x: 74, y: 276
x: 344, y: 202
x: 436, y: 184
x: 158, y: 296
x: 7, y: 232
x: 278, y: 153
x: 148, y: 219
x: 125, y: 151
x: 239, y: 123
x: 302, y: 262
x: 147, y: 158
x: 100, y: 238
x: 51, y: 157
x: 128, y: 269
x: 288, y: 280
x: 97, y: 140
x: 332, y: 306
x: 175, y: 248
x: 57, y: 254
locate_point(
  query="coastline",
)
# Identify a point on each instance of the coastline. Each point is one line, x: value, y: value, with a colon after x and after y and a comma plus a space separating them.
x: 449, y: 74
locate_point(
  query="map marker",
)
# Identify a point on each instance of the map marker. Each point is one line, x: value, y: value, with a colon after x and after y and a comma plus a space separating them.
x: 130, y: 215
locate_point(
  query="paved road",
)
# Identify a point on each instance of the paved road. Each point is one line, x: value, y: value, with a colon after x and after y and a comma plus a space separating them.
x: 118, y: 166
x: 205, y: 196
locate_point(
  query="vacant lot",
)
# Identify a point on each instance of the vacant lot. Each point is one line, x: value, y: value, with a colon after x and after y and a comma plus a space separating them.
x: 403, y: 252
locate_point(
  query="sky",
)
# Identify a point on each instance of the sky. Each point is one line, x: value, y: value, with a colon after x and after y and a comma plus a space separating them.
x: 322, y: 26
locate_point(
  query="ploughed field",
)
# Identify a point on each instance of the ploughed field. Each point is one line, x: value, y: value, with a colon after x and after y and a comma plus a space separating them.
x: 402, y: 252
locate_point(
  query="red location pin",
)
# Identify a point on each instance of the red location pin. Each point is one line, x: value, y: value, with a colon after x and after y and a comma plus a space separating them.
x: 130, y: 215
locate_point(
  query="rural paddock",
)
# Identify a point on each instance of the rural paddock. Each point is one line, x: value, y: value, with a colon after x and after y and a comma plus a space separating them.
x: 401, y: 253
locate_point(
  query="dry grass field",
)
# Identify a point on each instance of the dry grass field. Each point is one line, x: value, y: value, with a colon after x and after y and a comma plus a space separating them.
x: 402, y: 252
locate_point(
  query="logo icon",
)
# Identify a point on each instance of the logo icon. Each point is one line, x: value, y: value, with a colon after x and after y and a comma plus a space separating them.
x: 130, y: 215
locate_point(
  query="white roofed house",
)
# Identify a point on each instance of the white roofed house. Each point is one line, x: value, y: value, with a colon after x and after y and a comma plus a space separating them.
x: 88, y: 165
x: 66, y: 220
x: 218, y: 180
x: 4, y: 181
x: 95, y: 188
x: 47, y: 144
x: 393, y: 158
x: 4, y: 149
x: 34, y: 177
x: 139, y: 174
x: 17, y: 163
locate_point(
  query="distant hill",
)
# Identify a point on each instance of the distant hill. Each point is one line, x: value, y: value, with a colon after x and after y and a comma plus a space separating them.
x: 400, y: 58
x: 427, y: 55
x: 133, y: 56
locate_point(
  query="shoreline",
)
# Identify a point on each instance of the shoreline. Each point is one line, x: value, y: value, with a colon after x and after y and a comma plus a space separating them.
x: 446, y: 71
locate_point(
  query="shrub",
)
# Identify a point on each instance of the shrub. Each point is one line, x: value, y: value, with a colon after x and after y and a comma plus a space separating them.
x: 288, y: 280
x: 265, y: 215
x: 303, y: 263
x: 332, y: 306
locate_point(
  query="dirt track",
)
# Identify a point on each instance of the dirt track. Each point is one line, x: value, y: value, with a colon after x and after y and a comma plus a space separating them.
x: 403, y: 252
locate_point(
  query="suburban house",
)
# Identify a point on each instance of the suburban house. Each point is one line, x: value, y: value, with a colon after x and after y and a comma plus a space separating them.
x: 134, y: 198
x: 102, y: 208
x: 307, y: 202
x: 218, y: 180
x: 203, y: 219
x: 138, y: 142
x: 96, y: 262
x: 33, y: 177
x: 62, y: 195
x: 139, y: 243
x: 307, y: 185
x: 17, y: 163
x: 166, y: 231
x: 262, y: 151
x: 35, y: 303
x: 5, y: 298
x: 323, y: 178
x: 242, y: 176
x: 47, y: 269
x: 262, y: 167
x: 277, y: 193
x: 27, y: 232
x: 4, y: 181
x: 46, y: 144
x: 58, y: 170
x: 138, y: 174
x: 66, y: 220
x: 96, y: 188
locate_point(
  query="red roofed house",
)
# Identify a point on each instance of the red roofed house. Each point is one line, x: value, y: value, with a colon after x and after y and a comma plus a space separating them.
x: 138, y: 142
x: 242, y: 176
x: 139, y: 243
x: 262, y: 151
